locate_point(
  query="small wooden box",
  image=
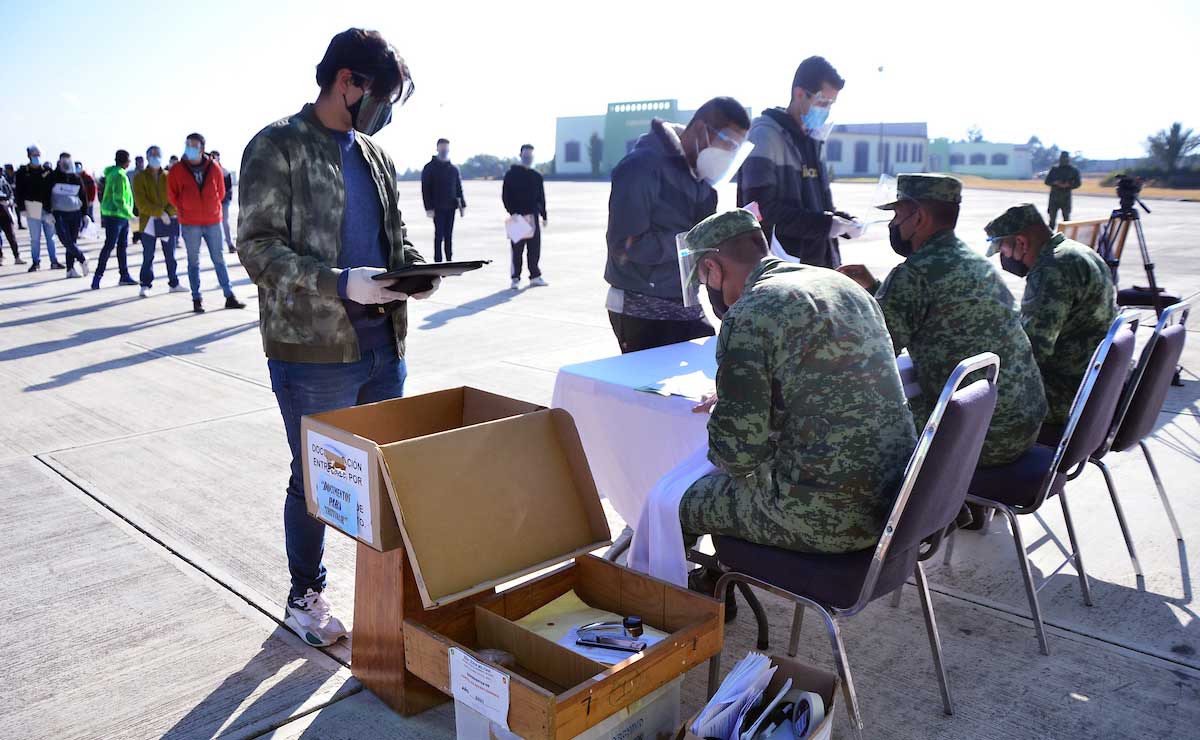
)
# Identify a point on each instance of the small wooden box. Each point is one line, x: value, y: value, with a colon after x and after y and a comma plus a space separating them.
x: 489, y: 504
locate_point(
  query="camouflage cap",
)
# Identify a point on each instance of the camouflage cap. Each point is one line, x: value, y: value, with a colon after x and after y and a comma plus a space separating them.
x: 719, y: 228
x: 925, y: 187
x: 1011, y: 222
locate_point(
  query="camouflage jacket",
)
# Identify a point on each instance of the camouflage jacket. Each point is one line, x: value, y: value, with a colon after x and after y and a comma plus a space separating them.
x: 810, y: 394
x: 291, y: 198
x: 1066, y: 311
x: 946, y: 303
x: 1063, y: 172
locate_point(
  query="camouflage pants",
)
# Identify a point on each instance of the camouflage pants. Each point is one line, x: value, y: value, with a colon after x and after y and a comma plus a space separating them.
x: 756, y: 510
x: 1059, y: 203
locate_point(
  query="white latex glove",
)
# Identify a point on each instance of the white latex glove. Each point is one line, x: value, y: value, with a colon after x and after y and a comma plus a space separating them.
x: 361, y: 288
x: 845, y: 227
x: 166, y: 220
x: 437, y: 283
x: 428, y: 214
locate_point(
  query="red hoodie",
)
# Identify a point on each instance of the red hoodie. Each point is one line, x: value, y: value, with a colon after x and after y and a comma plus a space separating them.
x: 198, y: 205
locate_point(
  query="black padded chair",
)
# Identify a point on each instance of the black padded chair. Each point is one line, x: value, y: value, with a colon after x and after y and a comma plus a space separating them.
x: 1140, y: 407
x: 1021, y: 487
x: 930, y: 497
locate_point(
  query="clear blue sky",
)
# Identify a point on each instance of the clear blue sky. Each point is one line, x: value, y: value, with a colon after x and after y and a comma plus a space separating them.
x: 91, y: 77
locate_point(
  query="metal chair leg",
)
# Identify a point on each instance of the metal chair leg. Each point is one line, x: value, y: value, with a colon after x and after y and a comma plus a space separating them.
x: 935, y: 642
x: 949, y: 553
x: 1162, y: 493
x: 714, y: 663
x: 896, y: 596
x: 843, y: 668
x: 1083, y: 579
x: 1023, y: 559
x: 1112, y: 493
x: 760, y: 616
x: 797, y: 624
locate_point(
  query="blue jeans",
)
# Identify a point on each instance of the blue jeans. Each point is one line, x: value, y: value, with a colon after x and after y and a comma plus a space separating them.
x: 303, y: 388
x: 67, y: 224
x: 146, y: 277
x: 212, y: 237
x: 116, y: 235
x: 38, y: 227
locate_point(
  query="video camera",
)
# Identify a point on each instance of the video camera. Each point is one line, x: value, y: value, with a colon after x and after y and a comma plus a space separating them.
x: 1128, y: 188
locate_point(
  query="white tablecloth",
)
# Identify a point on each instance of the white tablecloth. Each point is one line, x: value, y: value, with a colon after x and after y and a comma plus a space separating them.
x: 631, y: 437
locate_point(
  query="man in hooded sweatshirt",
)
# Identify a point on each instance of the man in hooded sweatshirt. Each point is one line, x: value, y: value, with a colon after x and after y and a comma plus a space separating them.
x: 116, y: 208
x: 524, y: 194
x: 68, y: 203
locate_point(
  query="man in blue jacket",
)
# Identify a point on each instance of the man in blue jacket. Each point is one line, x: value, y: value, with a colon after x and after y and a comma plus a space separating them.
x: 662, y: 188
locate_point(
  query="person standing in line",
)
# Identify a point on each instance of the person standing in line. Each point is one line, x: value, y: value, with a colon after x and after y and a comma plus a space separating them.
x: 7, y: 199
x: 116, y: 208
x: 441, y: 189
x: 89, y: 189
x: 195, y: 188
x: 68, y: 204
x: 10, y: 175
x: 150, y: 196
x: 225, y: 202
x: 524, y: 194
x: 32, y: 198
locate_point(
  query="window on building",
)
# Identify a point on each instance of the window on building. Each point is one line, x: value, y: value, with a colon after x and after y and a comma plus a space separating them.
x: 1000, y: 159
x: 834, y: 152
x: 978, y: 158
x: 903, y: 155
x: 917, y: 152
x: 571, y: 151
x: 956, y: 159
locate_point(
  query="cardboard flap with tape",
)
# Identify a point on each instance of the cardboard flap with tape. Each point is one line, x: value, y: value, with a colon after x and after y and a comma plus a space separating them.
x: 485, y: 504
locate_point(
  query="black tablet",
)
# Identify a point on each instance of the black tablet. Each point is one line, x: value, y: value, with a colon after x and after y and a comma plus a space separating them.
x: 418, y: 278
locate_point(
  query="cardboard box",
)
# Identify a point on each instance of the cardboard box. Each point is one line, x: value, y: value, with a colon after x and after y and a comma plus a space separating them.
x: 803, y: 677
x: 350, y: 455
x: 653, y: 717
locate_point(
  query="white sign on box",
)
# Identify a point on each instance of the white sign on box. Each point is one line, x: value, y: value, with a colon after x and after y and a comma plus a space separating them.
x: 341, y: 483
x: 479, y: 686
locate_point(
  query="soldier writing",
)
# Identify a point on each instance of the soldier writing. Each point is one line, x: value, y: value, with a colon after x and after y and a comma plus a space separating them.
x: 810, y: 431
x: 1067, y: 306
x: 1062, y: 179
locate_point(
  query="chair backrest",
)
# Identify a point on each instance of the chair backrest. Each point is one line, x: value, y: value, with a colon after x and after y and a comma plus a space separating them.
x: 935, y: 481
x: 1096, y: 400
x: 1147, y: 389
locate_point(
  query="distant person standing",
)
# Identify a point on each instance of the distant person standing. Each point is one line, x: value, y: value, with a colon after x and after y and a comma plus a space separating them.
x: 34, y: 200
x: 785, y: 175
x: 139, y: 165
x: 1062, y: 179
x: 10, y: 175
x: 216, y: 156
x: 196, y: 188
x: 661, y: 189
x: 116, y: 208
x: 89, y: 189
x: 150, y: 197
x: 69, y: 207
x: 441, y: 189
x: 524, y: 194
x: 7, y: 199
x: 172, y: 162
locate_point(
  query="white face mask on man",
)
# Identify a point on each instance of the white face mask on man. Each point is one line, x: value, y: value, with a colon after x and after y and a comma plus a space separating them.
x: 716, y: 162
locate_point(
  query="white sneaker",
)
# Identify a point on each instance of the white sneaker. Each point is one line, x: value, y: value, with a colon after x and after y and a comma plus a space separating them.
x: 145, y: 292
x: 178, y: 289
x: 538, y: 282
x: 72, y: 274
x: 83, y: 268
x: 516, y: 284
x: 311, y: 617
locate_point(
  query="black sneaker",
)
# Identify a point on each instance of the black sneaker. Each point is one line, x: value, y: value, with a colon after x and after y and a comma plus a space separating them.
x: 233, y: 302
x: 34, y: 267
x: 57, y: 266
x: 127, y: 281
x: 197, y: 305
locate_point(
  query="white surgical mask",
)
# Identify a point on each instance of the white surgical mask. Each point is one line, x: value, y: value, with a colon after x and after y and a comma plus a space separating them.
x: 712, y: 163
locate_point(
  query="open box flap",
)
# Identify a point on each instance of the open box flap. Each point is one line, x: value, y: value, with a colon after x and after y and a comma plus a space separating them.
x: 485, y: 504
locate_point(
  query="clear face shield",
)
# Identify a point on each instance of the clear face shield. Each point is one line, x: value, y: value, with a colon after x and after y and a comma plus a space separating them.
x: 375, y: 110
x: 816, y: 121
x: 722, y: 156
x: 689, y: 269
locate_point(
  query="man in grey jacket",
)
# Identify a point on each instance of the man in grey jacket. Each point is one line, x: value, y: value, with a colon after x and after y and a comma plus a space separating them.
x: 662, y: 188
x: 785, y: 176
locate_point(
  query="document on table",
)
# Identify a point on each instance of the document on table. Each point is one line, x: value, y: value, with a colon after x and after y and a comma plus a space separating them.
x: 694, y: 385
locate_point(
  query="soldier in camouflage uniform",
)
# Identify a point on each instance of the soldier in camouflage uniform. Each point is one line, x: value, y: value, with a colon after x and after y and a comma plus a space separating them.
x: 319, y: 217
x: 810, y: 431
x: 945, y: 303
x: 1062, y: 179
x: 1068, y: 303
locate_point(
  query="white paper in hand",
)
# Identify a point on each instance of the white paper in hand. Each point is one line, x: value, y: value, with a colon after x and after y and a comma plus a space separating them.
x: 518, y: 228
x: 150, y: 228
x: 777, y: 250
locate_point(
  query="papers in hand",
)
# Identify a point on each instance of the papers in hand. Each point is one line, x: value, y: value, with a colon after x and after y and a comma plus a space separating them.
x: 150, y: 229
x: 739, y: 692
x: 518, y: 227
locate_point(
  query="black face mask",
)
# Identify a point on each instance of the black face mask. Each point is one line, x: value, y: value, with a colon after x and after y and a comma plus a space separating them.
x: 901, y: 246
x: 1013, y: 265
x: 717, y: 299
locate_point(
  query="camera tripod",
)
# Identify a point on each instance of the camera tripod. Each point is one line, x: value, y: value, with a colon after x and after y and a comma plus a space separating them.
x: 1112, y: 244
